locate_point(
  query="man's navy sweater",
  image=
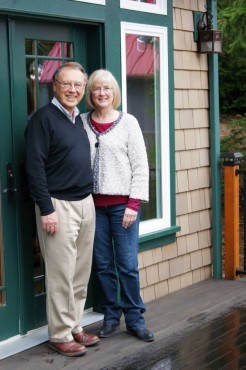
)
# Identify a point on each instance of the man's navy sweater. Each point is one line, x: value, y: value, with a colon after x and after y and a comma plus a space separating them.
x: 58, y: 160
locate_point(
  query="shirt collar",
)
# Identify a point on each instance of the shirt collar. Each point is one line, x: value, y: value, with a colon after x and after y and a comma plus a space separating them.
x: 67, y: 114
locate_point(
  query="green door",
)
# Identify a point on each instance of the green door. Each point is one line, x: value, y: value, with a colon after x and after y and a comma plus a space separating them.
x: 30, y: 53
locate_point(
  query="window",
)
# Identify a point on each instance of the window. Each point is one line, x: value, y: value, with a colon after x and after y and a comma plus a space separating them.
x: 42, y: 60
x: 151, y: 6
x: 145, y: 95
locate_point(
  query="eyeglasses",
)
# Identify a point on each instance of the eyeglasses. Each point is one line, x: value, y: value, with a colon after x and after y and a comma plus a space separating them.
x: 69, y: 85
x: 98, y: 90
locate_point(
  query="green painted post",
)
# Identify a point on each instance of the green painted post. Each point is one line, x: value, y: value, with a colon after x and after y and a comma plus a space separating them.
x: 215, y: 153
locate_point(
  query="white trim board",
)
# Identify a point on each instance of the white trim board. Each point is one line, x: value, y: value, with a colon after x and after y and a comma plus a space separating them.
x: 38, y: 336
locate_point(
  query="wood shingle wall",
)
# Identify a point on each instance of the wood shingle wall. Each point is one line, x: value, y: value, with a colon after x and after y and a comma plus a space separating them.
x: 188, y: 260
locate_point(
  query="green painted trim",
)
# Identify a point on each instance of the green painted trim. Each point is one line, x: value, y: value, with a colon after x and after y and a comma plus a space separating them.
x: 215, y: 153
x: 9, y: 313
x: 56, y: 9
x: 171, y: 113
x: 158, y: 239
x: 159, y: 234
x: 197, y: 16
x: 142, y: 17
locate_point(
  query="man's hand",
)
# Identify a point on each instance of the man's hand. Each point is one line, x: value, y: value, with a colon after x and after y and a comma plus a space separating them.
x: 129, y: 218
x: 50, y: 223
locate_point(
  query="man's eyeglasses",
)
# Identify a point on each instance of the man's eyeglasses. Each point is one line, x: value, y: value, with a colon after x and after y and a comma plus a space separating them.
x: 69, y: 85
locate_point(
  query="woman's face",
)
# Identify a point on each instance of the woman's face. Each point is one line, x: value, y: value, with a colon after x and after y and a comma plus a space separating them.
x: 102, y: 95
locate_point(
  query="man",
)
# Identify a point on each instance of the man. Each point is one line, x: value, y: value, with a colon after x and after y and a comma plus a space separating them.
x: 59, y: 173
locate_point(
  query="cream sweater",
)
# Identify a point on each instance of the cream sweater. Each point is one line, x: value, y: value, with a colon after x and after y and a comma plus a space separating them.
x: 119, y: 158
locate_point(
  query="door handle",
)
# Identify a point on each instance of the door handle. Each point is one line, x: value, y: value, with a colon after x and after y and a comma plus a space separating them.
x: 10, y: 190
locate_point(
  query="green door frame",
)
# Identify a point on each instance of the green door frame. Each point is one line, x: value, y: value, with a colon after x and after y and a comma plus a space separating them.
x: 9, y: 316
x: 29, y: 310
x: 32, y: 311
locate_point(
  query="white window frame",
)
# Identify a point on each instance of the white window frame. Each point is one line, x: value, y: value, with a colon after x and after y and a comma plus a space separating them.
x: 157, y: 224
x: 99, y: 2
x: 159, y: 8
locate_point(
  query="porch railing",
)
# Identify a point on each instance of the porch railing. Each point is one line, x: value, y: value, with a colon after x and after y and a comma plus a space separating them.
x: 243, y: 173
x: 234, y: 200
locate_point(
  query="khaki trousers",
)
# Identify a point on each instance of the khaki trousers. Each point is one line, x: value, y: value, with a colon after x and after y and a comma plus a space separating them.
x: 68, y: 257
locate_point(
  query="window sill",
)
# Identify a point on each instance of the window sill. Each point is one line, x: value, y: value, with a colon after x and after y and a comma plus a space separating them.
x: 158, y: 239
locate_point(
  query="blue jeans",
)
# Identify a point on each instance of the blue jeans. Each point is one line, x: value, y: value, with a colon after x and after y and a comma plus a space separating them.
x: 116, y: 266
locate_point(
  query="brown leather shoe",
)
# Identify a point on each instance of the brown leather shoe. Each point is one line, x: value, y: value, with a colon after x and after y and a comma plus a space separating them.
x: 70, y: 349
x: 85, y: 339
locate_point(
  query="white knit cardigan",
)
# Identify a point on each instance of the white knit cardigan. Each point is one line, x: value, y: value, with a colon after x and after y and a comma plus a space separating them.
x: 119, y: 158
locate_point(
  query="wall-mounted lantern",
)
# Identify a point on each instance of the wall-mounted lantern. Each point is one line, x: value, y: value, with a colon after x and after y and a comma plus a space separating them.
x: 209, y: 40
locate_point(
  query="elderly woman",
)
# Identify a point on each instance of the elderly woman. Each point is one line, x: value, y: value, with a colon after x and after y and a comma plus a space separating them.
x: 120, y: 170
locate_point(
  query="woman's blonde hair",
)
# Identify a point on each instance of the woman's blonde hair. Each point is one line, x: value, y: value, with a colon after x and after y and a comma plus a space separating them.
x: 105, y: 77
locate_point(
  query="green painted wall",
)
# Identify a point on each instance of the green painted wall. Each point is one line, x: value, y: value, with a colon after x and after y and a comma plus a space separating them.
x: 108, y: 39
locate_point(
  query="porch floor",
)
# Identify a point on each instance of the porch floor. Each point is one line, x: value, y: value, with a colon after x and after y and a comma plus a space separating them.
x: 199, y: 327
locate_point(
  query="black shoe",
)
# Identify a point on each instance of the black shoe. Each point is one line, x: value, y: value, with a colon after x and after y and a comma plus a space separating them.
x: 142, y: 334
x: 106, y: 330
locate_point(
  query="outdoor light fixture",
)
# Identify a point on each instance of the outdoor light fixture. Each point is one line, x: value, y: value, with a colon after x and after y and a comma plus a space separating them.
x: 209, y: 40
x: 146, y: 39
x: 145, y: 43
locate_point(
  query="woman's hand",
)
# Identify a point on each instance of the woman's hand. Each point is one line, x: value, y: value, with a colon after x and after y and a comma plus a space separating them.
x: 50, y: 223
x: 129, y: 218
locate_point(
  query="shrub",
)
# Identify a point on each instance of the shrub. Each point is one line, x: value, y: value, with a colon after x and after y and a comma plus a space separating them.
x: 235, y: 141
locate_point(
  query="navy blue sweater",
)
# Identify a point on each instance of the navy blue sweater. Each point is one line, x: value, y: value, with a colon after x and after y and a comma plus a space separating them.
x: 58, y: 160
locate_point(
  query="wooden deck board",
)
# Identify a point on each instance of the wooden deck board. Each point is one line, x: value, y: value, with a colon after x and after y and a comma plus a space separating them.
x: 188, y: 332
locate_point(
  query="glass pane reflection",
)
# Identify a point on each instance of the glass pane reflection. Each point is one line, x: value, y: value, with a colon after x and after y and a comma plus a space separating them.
x: 39, y: 75
x: 55, y: 49
x: 143, y: 101
x: 46, y: 48
x: 146, y: 1
x: 39, y: 70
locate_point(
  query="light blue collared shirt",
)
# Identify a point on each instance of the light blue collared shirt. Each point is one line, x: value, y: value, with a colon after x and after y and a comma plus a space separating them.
x: 60, y: 106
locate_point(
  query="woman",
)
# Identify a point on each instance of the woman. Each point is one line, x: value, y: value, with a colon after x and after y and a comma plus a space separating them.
x: 120, y: 170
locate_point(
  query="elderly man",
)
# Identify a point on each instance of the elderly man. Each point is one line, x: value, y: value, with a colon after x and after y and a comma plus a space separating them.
x: 59, y: 173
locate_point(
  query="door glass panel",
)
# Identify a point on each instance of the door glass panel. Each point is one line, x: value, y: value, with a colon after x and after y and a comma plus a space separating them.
x: 143, y: 89
x: 42, y: 60
x: 2, y: 287
x: 55, y: 49
x: 51, y: 48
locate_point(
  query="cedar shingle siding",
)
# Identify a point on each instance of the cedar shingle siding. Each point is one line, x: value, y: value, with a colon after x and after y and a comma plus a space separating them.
x: 189, y: 260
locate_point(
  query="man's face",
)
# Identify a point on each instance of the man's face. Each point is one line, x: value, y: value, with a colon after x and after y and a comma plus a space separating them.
x: 69, y: 88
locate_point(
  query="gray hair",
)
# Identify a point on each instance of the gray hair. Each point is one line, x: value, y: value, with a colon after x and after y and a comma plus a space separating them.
x: 71, y: 65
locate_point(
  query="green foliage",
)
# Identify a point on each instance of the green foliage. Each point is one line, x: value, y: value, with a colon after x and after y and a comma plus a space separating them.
x: 233, y: 142
x: 232, y: 90
x: 232, y: 66
x: 232, y: 22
